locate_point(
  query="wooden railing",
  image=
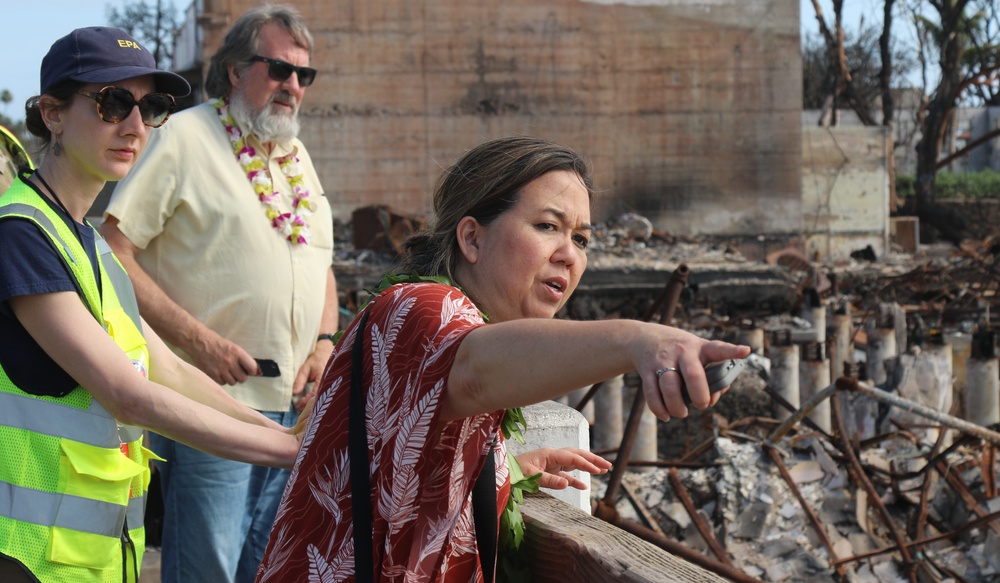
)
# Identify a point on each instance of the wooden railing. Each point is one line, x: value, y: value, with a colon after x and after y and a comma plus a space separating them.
x: 565, y: 544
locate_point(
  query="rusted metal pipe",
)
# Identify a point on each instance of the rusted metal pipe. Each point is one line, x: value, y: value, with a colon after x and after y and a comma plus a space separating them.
x: 852, y: 384
x: 955, y: 481
x: 813, y: 518
x: 988, y: 470
x: 587, y: 397
x: 777, y: 398
x: 858, y: 473
x: 800, y: 414
x: 671, y: 294
x: 628, y: 440
x: 703, y: 529
x: 924, y: 541
x: 920, y: 521
x: 641, y: 509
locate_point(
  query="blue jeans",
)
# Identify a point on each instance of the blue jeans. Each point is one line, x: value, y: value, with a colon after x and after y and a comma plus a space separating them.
x: 218, y: 513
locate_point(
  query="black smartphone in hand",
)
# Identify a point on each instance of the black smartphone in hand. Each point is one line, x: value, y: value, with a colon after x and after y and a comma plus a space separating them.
x: 268, y: 368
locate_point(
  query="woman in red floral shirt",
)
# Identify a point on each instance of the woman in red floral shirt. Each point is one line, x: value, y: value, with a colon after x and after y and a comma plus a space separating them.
x: 509, y: 239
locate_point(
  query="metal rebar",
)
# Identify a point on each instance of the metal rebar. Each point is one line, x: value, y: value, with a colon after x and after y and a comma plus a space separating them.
x: 588, y: 396
x: 672, y: 292
x: 791, y: 408
x: 852, y: 384
x: 921, y: 542
x: 955, y: 481
x: 857, y: 472
x: 801, y: 413
x: 628, y: 440
x: 813, y: 519
x: 703, y: 529
x: 641, y: 509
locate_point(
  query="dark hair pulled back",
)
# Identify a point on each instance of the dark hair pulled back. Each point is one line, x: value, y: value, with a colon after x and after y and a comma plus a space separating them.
x: 483, y: 184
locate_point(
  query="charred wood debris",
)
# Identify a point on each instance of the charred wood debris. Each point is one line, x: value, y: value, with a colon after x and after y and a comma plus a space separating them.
x: 895, y: 486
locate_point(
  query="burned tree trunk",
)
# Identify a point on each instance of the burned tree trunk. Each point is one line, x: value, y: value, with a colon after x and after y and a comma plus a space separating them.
x: 936, y: 116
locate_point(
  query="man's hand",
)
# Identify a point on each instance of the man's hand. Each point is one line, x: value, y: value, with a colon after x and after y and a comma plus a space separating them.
x: 226, y: 362
x: 311, y: 371
x: 554, y: 465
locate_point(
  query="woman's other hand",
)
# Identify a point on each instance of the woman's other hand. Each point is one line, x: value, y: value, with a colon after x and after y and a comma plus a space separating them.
x: 300, y: 425
x: 554, y: 465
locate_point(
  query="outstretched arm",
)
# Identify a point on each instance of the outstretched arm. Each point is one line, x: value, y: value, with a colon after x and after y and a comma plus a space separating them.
x: 224, y: 361
x: 516, y: 363
x: 68, y: 333
x: 166, y: 368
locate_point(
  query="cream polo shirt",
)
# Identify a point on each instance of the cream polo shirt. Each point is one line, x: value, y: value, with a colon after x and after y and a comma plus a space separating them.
x: 207, y: 242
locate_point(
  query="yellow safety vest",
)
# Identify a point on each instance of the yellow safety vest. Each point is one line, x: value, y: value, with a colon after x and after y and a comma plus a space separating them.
x: 12, y: 156
x: 71, y: 504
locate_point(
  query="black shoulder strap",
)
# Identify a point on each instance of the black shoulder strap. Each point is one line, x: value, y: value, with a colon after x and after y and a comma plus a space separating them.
x: 484, y: 492
x: 484, y: 514
x: 360, y: 481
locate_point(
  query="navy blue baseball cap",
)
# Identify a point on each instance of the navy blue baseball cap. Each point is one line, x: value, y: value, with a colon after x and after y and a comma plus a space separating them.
x: 101, y: 54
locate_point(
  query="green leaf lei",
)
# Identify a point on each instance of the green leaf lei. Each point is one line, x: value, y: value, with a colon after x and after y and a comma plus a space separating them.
x: 512, y: 565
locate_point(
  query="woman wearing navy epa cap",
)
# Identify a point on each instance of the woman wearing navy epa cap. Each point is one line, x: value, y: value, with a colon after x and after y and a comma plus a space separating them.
x: 81, y: 375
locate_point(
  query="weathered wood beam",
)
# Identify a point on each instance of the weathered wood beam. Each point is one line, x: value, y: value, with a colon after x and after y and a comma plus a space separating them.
x: 568, y: 545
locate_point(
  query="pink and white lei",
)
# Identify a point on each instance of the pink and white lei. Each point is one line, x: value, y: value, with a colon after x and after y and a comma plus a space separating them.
x: 292, y: 225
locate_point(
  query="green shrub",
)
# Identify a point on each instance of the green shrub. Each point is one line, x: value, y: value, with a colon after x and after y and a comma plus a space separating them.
x: 984, y: 184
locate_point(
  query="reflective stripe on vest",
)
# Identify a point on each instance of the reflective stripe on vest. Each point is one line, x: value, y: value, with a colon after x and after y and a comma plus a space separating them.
x: 76, y: 513
x: 95, y: 426
x: 120, y: 281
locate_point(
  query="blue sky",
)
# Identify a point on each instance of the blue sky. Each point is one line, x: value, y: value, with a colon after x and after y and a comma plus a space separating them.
x: 31, y: 26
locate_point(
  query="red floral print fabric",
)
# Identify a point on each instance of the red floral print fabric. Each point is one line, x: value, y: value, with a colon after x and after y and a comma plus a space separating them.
x: 422, y: 469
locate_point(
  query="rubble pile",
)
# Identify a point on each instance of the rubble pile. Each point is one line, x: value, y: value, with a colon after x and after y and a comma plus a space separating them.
x: 957, y: 287
x: 913, y: 507
x: 797, y: 510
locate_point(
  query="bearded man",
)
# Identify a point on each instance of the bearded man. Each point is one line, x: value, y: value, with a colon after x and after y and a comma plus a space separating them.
x: 227, y: 236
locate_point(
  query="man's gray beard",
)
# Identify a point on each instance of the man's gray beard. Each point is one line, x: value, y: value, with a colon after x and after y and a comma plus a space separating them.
x: 269, y: 127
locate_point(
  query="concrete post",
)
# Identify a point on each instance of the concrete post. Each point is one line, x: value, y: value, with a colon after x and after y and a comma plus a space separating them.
x: 752, y: 337
x: 608, y: 415
x: 842, y: 341
x: 551, y: 424
x: 784, y: 358
x: 982, y: 397
x: 814, y: 312
x: 881, y: 347
x: 645, y: 446
x: 588, y: 409
x: 961, y: 351
x: 814, y: 376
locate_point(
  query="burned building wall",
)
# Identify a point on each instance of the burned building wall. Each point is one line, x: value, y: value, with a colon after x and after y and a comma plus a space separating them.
x: 688, y: 109
x: 845, y: 190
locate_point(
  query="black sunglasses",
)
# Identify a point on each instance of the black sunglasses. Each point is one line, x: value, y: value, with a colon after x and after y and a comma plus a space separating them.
x: 280, y: 70
x: 115, y: 104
